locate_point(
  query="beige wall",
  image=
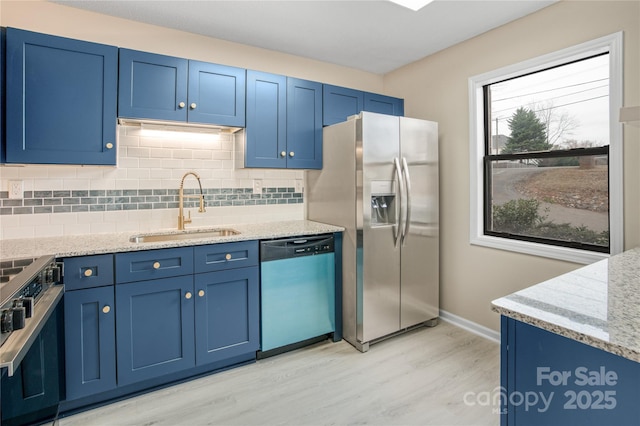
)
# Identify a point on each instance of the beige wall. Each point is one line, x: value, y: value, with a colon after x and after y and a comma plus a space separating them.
x: 436, y: 88
x: 66, y: 21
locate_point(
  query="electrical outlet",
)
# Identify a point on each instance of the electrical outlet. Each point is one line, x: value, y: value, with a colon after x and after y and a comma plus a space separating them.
x: 16, y: 189
x: 257, y: 186
x: 299, y: 185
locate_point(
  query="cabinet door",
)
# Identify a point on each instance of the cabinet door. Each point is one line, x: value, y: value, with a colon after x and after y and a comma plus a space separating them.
x: 152, y: 86
x: 383, y: 104
x: 338, y: 103
x: 304, y: 124
x: 2, y: 80
x: 62, y: 98
x: 90, y: 341
x: 266, y: 120
x: 227, y: 314
x: 553, y: 380
x: 155, y: 328
x: 216, y: 94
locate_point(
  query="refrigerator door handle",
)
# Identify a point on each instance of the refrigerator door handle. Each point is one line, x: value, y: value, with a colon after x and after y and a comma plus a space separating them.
x: 407, y: 185
x: 399, y: 192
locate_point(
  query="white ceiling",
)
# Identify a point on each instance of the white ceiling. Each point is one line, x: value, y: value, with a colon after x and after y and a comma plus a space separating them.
x: 375, y: 36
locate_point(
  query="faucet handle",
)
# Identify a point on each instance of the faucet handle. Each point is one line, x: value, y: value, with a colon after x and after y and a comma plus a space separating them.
x: 188, y: 219
x: 202, y: 209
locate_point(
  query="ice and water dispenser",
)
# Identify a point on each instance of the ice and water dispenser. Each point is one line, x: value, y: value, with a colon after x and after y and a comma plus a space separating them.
x: 383, y: 203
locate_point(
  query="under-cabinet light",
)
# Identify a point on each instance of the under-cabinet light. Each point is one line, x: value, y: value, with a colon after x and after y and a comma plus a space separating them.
x: 173, y: 132
x: 414, y: 5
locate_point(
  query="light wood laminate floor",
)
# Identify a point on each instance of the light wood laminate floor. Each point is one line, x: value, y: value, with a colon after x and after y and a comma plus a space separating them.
x: 430, y: 376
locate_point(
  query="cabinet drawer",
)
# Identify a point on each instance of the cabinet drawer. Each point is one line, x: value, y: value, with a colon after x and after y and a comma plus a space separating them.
x: 153, y: 264
x: 216, y: 257
x: 88, y: 271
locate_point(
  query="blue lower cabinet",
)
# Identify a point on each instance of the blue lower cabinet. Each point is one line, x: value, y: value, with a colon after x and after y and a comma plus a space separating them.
x: 548, y: 379
x: 155, y: 328
x: 227, y: 314
x: 90, y: 341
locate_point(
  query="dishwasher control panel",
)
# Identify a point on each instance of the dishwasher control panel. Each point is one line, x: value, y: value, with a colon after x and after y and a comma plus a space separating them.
x: 297, y: 246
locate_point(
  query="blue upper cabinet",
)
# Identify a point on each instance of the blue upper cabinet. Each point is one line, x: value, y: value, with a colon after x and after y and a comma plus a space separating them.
x: 216, y: 94
x: 340, y: 103
x: 159, y: 87
x: 304, y: 124
x: 383, y: 104
x: 62, y: 94
x: 266, y: 144
x: 152, y: 86
x: 284, y: 122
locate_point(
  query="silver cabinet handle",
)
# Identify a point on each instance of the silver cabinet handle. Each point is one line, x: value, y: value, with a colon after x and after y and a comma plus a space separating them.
x: 396, y: 161
x: 181, y: 105
x: 407, y: 183
x: 193, y: 105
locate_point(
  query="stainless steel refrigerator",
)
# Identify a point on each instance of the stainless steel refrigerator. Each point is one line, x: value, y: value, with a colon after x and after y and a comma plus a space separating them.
x: 380, y: 182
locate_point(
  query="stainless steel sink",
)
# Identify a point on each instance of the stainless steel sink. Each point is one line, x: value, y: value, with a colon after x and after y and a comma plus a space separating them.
x: 183, y: 235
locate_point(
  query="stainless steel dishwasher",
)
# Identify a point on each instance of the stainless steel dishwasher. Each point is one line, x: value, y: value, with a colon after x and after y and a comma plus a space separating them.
x: 297, y: 292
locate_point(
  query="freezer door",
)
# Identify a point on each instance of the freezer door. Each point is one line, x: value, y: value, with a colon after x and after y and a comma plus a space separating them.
x: 420, y: 244
x: 377, y: 145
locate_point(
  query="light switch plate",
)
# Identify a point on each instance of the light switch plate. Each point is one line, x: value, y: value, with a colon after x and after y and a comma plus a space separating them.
x: 16, y: 189
x: 299, y: 185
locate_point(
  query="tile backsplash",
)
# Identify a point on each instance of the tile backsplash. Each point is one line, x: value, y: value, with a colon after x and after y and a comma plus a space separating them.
x: 141, y: 193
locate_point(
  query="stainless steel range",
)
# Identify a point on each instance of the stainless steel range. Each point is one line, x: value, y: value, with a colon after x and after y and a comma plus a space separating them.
x: 31, y: 344
x: 27, y: 302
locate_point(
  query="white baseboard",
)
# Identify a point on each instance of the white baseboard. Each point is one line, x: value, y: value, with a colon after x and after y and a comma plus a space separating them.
x: 470, y: 326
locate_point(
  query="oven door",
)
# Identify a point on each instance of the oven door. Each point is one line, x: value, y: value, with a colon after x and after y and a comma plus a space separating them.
x: 32, y: 394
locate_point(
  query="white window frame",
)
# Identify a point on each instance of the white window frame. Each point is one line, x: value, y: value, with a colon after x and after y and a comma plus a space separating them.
x: 613, y: 45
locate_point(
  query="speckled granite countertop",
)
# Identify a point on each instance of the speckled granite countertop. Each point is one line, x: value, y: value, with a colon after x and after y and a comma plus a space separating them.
x: 83, y: 245
x: 598, y: 305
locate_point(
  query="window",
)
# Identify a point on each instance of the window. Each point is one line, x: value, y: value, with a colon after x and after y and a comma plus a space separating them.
x: 546, y: 160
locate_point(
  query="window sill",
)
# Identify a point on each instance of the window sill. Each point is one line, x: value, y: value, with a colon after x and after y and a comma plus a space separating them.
x: 535, y: 249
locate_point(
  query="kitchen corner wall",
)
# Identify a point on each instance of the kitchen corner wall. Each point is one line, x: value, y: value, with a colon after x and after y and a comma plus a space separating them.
x: 141, y: 193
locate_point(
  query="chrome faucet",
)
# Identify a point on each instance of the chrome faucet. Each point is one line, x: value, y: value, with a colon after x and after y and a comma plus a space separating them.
x: 181, y: 219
